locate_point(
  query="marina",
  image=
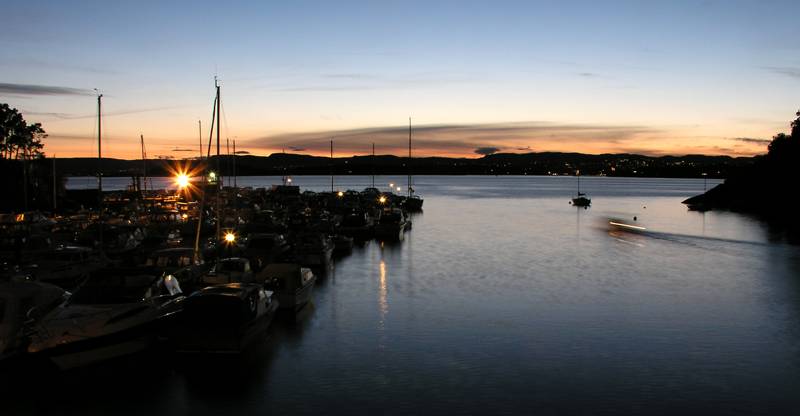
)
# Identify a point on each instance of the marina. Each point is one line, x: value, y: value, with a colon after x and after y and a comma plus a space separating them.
x: 448, y: 308
x: 417, y: 208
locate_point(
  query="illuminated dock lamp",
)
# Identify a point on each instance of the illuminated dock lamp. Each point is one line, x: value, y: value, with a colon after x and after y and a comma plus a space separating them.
x: 382, y: 199
x: 182, y: 180
x: 399, y: 189
x: 230, y: 237
x: 212, y: 177
x: 340, y: 194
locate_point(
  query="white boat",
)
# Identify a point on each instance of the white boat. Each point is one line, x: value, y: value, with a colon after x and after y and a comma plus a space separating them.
x: 290, y: 282
x: 111, y: 315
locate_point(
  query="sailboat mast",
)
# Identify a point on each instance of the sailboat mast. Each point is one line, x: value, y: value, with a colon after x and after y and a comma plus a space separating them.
x: 100, y: 166
x: 331, y: 165
x: 373, y: 164
x: 55, y: 190
x: 234, y: 163
x: 144, y: 162
x: 219, y: 172
x: 200, y: 136
x: 409, y: 156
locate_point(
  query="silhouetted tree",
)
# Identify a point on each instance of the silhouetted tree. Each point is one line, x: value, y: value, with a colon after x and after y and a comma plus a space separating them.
x: 785, y: 149
x: 17, y: 137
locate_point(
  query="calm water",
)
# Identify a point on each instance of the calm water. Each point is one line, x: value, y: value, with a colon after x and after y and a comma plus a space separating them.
x: 506, y: 299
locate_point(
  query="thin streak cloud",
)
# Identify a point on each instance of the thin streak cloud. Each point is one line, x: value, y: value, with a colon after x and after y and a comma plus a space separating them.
x: 67, y: 116
x: 752, y: 140
x: 788, y: 71
x: 38, y: 90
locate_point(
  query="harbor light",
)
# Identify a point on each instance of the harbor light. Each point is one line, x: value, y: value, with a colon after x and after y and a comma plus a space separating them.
x: 212, y: 177
x: 340, y: 194
x: 182, y: 180
x: 230, y: 237
x: 289, y: 180
x: 399, y: 189
x: 382, y: 199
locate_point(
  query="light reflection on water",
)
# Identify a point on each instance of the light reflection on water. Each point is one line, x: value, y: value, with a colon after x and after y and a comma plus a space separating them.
x: 506, y: 299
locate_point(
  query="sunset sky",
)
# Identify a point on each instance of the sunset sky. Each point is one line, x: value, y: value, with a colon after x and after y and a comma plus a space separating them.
x: 712, y: 77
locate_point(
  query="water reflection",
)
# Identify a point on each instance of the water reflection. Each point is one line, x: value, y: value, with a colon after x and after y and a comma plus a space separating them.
x: 384, y: 305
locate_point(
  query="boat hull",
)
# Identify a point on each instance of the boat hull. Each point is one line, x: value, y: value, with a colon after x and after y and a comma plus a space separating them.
x: 224, y: 340
x: 296, y: 300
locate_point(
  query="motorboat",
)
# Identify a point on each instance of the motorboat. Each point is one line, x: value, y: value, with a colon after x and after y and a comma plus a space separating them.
x: 181, y: 264
x: 67, y: 266
x: 342, y: 244
x: 112, y: 314
x: 625, y: 226
x: 224, y: 318
x: 171, y: 259
x: 357, y: 224
x: 391, y: 224
x: 230, y: 270
x: 264, y: 248
x: 313, y: 249
x: 292, y: 284
x: 23, y: 302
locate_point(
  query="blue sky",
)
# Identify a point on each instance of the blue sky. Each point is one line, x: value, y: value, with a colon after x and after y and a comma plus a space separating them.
x: 652, y: 77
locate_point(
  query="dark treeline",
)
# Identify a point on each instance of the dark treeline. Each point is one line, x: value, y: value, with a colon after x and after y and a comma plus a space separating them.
x: 766, y: 188
x: 546, y: 163
x: 29, y: 184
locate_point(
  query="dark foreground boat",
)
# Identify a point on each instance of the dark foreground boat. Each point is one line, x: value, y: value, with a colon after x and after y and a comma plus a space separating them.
x: 111, y: 315
x: 224, y: 318
x: 290, y: 282
x: 23, y: 301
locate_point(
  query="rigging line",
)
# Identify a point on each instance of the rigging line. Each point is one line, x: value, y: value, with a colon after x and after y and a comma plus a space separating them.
x: 211, y: 130
x: 225, y: 120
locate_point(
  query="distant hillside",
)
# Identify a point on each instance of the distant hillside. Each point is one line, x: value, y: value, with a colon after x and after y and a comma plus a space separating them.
x: 545, y: 163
